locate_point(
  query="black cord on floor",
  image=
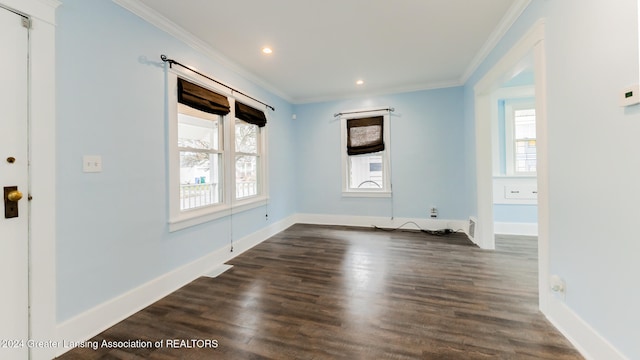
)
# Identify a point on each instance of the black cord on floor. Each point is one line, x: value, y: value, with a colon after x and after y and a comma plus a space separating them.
x: 439, y: 232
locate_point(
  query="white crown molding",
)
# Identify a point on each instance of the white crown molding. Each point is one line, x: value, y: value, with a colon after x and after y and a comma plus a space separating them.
x: 514, y: 12
x: 158, y: 20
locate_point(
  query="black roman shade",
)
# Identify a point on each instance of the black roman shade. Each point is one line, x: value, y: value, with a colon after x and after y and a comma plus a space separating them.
x: 365, y: 135
x: 202, y: 99
x: 250, y: 115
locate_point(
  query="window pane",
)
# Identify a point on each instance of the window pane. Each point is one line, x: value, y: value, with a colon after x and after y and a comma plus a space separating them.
x: 246, y: 176
x: 199, y: 179
x: 525, y: 156
x: 365, y: 172
x: 525, y: 124
x: 197, y: 133
x: 246, y: 137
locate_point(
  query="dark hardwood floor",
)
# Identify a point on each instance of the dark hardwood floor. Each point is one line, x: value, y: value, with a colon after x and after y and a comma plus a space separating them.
x: 322, y: 292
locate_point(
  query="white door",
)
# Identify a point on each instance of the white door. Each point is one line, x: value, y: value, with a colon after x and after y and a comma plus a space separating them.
x: 14, y: 236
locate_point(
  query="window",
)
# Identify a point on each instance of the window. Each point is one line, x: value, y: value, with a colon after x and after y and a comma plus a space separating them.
x: 365, y: 155
x: 248, y: 124
x: 216, y: 153
x: 520, y: 133
x: 201, y: 157
x: 525, y: 140
x: 247, y: 159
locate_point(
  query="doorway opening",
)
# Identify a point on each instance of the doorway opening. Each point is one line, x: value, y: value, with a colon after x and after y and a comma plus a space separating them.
x: 529, y: 50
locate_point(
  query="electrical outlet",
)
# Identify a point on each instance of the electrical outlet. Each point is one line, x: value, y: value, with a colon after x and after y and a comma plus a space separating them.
x: 558, y: 286
x: 92, y: 163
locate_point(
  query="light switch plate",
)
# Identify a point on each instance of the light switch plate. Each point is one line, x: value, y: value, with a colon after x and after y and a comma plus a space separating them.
x: 92, y: 163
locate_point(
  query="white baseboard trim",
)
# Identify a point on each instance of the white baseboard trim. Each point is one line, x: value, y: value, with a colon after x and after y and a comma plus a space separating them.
x: 218, y: 271
x: 585, y: 339
x: 384, y: 222
x: 92, y: 322
x: 528, y: 229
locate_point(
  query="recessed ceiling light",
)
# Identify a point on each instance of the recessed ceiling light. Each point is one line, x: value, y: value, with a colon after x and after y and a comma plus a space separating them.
x: 267, y: 50
x: 359, y: 82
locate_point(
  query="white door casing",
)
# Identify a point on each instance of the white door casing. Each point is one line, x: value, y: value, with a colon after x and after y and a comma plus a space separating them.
x: 14, y: 232
x: 42, y: 153
x: 531, y: 42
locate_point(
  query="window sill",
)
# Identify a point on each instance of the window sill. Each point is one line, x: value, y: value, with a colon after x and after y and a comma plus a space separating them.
x: 371, y: 194
x: 200, y: 216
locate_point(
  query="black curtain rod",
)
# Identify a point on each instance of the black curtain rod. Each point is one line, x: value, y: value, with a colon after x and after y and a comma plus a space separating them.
x: 363, y: 111
x: 171, y: 62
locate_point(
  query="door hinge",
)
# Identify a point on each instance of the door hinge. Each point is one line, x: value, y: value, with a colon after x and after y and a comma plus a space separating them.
x: 26, y: 22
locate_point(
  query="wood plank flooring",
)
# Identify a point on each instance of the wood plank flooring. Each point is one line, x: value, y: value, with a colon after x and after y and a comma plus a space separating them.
x: 326, y: 292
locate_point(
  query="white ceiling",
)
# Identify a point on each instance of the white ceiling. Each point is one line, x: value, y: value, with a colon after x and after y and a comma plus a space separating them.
x: 322, y: 47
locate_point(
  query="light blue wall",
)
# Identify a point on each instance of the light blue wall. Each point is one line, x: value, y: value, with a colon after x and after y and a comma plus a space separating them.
x: 596, y: 252
x: 591, y: 55
x: 112, y: 232
x: 511, y: 213
x: 111, y: 227
x: 507, y: 213
x: 426, y: 148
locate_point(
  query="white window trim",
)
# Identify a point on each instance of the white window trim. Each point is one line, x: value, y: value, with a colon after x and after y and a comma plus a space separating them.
x: 183, y: 219
x: 507, y: 94
x: 386, y: 191
x: 262, y: 168
x: 510, y: 106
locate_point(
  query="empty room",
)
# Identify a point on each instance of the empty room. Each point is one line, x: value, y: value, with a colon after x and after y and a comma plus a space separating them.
x: 333, y: 180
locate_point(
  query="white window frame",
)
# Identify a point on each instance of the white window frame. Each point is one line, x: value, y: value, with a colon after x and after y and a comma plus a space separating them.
x: 219, y: 151
x: 510, y: 107
x: 181, y: 219
x: 385, y: 191
x: 506, y: 94
x: 261, y: 159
